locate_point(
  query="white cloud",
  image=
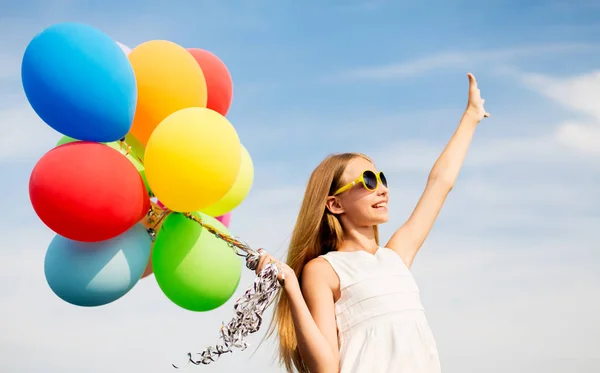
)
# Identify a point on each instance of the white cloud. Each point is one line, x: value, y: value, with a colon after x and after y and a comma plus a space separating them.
x: 460, y: 59
x: 581, y: 136
x: 581, y: 95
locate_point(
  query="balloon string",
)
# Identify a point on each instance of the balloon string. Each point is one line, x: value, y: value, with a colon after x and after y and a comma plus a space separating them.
x: 249, y: 308
x: 240, y: 248
x: 154, y: 219
x: 158, y: 214
x: 127, y: 150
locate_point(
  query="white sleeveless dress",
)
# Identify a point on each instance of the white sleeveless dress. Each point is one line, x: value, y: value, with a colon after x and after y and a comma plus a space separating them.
x: 381, y: 322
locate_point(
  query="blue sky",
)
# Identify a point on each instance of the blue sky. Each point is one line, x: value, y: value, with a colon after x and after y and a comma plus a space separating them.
x: 509, y: 275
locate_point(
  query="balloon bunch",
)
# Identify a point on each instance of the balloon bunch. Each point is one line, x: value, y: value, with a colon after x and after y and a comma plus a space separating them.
x: 146, y: 174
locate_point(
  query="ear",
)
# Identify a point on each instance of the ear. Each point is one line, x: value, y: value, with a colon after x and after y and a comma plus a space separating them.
x: 334, y: 206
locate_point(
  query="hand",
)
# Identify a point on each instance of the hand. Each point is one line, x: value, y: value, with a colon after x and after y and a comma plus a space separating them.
x: 286, y: 276
x: 475, y: 105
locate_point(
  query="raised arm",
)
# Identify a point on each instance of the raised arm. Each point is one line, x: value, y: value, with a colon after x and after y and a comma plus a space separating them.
x: 409, y: 238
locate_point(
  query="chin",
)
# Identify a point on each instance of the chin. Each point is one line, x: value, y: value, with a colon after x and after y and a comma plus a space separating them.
x: 381, y: 218
x: 381, y: 221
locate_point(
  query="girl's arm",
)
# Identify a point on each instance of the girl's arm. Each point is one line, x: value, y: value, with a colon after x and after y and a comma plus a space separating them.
x: 313, y: 313
x: 312, y: 310
x: 407, y: 240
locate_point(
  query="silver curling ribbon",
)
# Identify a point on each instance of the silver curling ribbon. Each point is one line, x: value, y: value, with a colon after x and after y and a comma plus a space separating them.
x: 248, y: 310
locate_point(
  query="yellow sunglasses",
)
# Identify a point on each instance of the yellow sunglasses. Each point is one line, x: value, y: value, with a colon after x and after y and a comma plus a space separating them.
x: 369, y: 179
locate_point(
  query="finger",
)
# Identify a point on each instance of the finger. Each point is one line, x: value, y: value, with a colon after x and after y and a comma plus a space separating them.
x: 261, y: 263
x: 279, y: 269
x: 280, y: 274
x: 472, y: 80
x: 266, y: 259
x: 472, y: 83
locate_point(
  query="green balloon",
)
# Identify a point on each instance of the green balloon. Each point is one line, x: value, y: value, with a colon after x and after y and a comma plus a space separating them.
x: 117, y: 146
x: 195, y: 270
x: 137, y: 147
x: 65, y: 140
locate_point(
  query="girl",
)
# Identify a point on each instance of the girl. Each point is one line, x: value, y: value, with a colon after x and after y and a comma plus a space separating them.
x: 350, y: 305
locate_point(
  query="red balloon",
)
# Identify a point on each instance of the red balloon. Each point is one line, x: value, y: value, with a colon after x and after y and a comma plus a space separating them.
x: 87, y: 191
x: 218, y: 80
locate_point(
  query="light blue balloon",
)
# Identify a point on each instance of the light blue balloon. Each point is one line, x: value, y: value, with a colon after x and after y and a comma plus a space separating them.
x: 79, y: 81
x: 92, y: 274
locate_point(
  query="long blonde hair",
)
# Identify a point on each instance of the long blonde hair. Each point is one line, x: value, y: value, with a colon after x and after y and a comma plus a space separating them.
x: 317, y: 232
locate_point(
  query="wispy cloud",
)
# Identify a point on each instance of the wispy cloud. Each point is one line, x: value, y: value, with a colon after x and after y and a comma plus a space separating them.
x: 459, y: 60
x: 581, y: 95
x: 581, y: 136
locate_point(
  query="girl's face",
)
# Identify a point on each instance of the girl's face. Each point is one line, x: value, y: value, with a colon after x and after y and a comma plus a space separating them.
x: 357, y: 205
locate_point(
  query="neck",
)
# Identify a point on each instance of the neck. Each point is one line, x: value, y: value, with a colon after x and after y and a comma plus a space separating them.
x: 362, y: 238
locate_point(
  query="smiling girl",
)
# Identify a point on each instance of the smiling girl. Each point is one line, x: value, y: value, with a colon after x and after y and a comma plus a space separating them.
x: 349, y: 304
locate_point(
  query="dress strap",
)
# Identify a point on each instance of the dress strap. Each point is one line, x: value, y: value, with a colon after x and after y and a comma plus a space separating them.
x: 342, y: 267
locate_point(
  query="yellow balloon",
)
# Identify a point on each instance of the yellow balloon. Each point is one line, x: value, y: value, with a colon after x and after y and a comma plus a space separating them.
x: 168, y: 79
x: 238, y: 192
x: 192, y: 159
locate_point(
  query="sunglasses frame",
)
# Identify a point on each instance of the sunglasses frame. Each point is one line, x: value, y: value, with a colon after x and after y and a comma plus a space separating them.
x: 361, y: 179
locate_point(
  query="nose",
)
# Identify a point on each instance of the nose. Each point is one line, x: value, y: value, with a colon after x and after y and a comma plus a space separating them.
x: 382, y: 189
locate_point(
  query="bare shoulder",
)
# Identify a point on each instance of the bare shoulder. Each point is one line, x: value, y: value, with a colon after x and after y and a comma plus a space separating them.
x: 319, y: 273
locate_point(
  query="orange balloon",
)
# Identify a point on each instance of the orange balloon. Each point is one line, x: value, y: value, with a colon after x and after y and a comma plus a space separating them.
x: 168, y: 79
x: 148, y: 271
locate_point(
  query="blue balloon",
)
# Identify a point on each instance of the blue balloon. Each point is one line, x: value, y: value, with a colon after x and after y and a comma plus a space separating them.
x: 90, y: 274
x: 79, y: 81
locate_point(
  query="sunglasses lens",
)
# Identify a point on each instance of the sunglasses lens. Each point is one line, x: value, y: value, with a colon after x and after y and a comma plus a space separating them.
x: 370, y: 180
x: 383, y: 179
